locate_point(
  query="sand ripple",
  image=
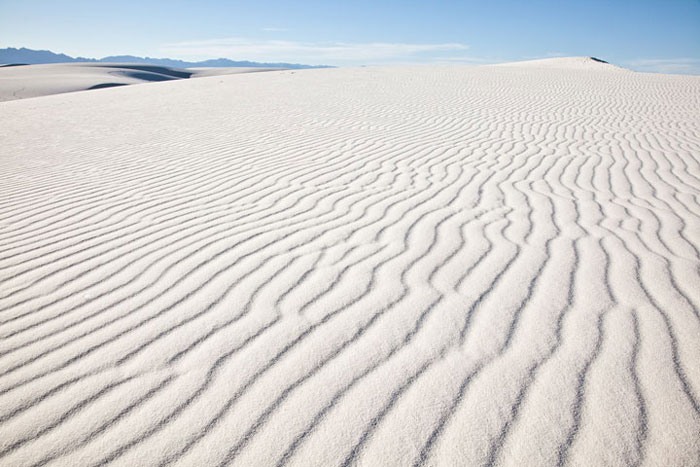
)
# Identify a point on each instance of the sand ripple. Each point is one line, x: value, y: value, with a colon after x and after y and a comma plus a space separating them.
x: 407, y: 266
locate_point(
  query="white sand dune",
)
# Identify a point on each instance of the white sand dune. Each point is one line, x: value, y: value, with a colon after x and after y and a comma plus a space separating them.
x: 23, y: 81
x: 565, y: 63
x: 376, y: 266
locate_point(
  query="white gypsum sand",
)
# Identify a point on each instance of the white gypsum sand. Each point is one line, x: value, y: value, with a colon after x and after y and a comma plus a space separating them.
x: 372, y: 266
x: 24, y: 81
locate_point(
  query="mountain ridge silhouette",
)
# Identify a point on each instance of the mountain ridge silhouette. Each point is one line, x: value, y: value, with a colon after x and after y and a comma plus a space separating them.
x: 24, y: 56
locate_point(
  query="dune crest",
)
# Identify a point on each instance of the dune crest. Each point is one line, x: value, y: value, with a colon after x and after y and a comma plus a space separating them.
x: 565, y: 63
x: 374, y: 266
x: 24, y: 81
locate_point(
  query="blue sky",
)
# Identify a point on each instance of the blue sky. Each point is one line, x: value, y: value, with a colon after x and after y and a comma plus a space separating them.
x: 643, y: 35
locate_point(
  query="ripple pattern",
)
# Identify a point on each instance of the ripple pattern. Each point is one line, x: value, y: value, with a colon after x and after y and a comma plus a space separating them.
x: 483, y: 266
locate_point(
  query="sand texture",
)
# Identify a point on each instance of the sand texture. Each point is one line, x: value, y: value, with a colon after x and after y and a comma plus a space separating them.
x: 440, y: 266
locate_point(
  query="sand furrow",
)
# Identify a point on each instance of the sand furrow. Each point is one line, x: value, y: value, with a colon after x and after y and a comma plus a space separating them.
x: 373, y: 266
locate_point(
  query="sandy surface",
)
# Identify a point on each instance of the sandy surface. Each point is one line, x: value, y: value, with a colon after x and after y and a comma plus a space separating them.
x: 374, y: 266
x: 21, y: 82
x: 566, y: 63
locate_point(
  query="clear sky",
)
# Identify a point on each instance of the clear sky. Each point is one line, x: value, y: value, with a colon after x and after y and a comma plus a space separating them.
x: 645, y: 35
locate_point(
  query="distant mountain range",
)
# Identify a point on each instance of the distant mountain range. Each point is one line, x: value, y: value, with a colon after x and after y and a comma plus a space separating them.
x: 12, y: 56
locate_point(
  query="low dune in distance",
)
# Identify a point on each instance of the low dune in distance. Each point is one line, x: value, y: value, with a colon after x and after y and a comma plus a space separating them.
x: 409, y: 266
x: 24, y: 81
x: 566, y: 63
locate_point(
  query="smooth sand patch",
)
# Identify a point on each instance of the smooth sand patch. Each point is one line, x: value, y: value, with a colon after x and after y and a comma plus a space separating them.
x: 23, y: 81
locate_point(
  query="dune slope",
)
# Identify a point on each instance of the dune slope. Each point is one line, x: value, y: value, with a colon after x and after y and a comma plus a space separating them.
x: 400, y: 266
x: 565, y: 63
x: 24, y: 81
